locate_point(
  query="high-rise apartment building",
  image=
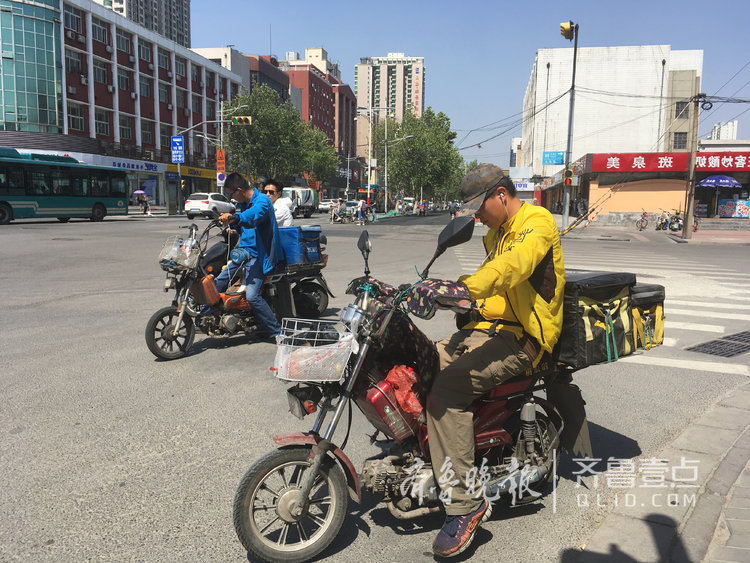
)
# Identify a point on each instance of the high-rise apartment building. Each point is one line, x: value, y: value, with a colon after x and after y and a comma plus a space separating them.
x: 628, y: 99
x: 170, y: 18
x: 396, y: 82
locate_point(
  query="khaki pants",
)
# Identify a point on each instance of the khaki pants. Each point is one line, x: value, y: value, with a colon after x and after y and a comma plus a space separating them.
x: 471, y: 363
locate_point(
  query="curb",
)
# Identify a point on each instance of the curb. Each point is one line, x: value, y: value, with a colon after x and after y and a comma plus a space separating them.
x: 720, y: 442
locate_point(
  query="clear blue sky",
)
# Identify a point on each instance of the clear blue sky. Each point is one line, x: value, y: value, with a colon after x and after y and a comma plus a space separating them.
x: 479, y: 54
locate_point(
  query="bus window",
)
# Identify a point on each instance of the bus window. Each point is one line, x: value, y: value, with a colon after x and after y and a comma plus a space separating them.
x: 61, y: 181
x: 119, y: 185
x: 99, y: 184
x: 40, y: 183
x: 11, y: 181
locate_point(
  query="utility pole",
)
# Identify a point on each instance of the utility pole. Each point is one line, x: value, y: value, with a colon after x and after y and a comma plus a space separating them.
x: 569, y: 30
x: 687, y: 224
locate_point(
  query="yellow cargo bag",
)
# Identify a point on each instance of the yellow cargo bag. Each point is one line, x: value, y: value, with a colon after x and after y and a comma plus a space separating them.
x: 648, y: 314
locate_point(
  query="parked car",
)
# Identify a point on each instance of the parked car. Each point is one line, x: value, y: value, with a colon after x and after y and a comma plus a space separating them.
x: 326, y: 205
x: 207, y: 204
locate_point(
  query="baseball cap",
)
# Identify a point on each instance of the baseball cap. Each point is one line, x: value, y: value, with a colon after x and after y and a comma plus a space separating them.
x: 477, y: 184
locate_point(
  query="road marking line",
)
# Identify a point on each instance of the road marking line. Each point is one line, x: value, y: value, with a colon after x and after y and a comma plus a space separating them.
x: 732, y: 306
x: 710, y: 314
x: 694, y: 326
x: 670, y: 342
x: 697, y: 365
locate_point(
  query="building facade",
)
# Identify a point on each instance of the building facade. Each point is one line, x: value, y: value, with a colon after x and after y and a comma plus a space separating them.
x: 169, y: 18
x: 627, y: 99
x: 90, y: 82
x: 396, y: 82
x: 724, y: 131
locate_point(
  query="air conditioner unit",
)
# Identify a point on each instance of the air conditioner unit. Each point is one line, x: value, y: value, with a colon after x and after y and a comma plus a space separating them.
x: 202, y: 85
x: 84, y: 80
x: 71, y: 90
x: 169, y: 107
x: 151, y: 66
x: 81, y: 39
x: 187, y: 112
x: 169, y: 73
x: 149, y: 155
x: 131, y: 58
x: 133, y: 95
x: 215, y: 91
x: 108, y: 48
x: 70, y: 34
x: 110, y: 88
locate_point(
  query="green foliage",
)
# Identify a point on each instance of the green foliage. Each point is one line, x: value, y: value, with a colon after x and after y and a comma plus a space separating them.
x: 279, y: 143
x: 428, y: 161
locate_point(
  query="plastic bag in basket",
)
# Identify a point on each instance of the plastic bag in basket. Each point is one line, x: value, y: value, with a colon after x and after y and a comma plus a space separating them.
x: 315, y: 363
x: 404, y: 380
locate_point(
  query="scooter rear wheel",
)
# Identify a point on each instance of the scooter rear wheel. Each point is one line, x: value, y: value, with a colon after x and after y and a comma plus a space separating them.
x: 161, y: 337
x: 263, y: 507
x: 310, y: 300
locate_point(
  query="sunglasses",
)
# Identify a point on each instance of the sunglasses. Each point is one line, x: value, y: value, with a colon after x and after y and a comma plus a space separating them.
x: 269, y: 191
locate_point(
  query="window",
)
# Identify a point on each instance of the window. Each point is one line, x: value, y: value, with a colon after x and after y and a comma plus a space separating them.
x: 196, y: 104
x: 73, y: 18
x: 147, y: 132
x: 165, y: 136
x: 100, y: 72
x: 101, y: 119
x: 163, y: 58
x: 144, y: 50
x: 180, y: 99
x: 123, y: 41
x: 210, y: 109
x: 75, y: 117
x: 145, y: 87
x: 99, y: 30
x: 123, y: 79
x: 179, y: 66
x: 163, y: 93
x: 126, y: 131
x: 681, y: 110
x: 195, y: 73
x: 680, y: 141
x: 72, y: 61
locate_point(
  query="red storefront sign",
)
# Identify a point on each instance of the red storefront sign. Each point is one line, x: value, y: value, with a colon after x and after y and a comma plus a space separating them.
x: 729, y: 161
x: 641, y: 162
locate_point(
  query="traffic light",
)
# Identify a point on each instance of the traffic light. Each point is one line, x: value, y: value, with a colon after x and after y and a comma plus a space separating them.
x: 242, y: 120
x: 568, y: 177
x: 567, y: 29
x: 183, y: 185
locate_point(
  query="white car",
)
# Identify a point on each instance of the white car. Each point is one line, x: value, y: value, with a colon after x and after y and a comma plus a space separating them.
x: 325, y: 205
x: 201, y: 203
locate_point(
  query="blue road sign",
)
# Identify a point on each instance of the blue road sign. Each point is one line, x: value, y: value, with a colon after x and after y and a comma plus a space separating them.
x: 178, y: 150
x: 553, y: 157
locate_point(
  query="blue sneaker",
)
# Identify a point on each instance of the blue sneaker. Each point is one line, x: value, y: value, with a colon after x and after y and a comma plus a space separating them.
x: 458, y: 532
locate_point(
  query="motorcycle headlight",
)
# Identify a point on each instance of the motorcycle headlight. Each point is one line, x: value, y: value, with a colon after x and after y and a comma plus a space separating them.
x: 351, y: 316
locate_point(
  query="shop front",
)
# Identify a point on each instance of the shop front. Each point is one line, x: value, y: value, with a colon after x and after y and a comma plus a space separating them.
x: 722, y: 181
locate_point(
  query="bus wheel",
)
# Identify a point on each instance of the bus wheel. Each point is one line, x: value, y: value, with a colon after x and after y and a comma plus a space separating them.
x: 6, y: 214
x: 63, y: 219
x: 98, y: 212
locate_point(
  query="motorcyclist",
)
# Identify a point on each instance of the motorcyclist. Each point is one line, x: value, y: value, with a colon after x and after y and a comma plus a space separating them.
x: 518, y: 292
x: 259, y: 236
x: 337, y: 210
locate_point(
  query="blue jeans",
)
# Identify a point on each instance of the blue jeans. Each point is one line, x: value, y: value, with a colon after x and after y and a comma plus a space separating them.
x: 254, y: 279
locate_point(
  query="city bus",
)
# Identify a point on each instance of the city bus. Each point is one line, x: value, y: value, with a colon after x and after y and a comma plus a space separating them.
x: 43, y: 185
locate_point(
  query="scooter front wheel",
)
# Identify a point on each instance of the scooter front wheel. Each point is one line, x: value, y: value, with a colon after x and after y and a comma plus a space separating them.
x: 163, y: 340
x: 265, y: 516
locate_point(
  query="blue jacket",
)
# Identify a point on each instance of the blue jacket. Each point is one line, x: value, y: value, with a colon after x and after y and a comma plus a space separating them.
x: 259, y: 233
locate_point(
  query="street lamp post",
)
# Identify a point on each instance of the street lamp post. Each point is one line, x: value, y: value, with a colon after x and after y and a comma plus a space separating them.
x: 369, y: 110
x: 386, y: 159
x: 569, y: 30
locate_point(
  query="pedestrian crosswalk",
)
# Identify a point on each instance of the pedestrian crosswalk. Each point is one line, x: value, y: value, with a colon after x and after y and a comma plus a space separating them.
x: 703, y: 302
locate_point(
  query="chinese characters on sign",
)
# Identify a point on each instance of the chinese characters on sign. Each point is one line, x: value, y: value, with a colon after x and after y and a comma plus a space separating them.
x: 670, y: 162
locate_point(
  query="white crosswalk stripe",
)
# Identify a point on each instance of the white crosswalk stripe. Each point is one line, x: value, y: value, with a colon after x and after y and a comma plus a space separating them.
x: 689, y: 320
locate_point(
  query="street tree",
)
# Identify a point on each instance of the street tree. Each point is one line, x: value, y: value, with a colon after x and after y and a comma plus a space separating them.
x: 319, y: 160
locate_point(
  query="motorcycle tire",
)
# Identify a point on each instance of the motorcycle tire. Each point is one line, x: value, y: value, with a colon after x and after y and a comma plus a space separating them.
x: 262, y: 515
x: 641, y: 224
x: 310, y: 300
x: 674, y: 227
x: 160, y: 336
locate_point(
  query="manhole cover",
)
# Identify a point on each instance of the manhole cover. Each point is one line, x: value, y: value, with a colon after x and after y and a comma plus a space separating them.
x: 739, y: 337
x: 723, y: 347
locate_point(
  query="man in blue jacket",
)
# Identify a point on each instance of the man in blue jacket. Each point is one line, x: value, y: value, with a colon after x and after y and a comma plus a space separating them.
x: 259, y: 235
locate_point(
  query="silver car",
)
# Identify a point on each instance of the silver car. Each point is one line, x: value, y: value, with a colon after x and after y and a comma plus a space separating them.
x: 207, y: 204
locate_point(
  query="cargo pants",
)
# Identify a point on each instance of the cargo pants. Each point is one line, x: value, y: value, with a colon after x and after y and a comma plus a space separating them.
x: 471, y: 363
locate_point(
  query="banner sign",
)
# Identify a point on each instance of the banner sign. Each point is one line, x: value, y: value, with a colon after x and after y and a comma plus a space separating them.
x: 730, y: 161
x: 641, y: 162
x: 220, y: 161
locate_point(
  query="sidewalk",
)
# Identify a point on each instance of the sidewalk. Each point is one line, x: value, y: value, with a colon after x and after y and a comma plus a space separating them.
x: 710, y: 524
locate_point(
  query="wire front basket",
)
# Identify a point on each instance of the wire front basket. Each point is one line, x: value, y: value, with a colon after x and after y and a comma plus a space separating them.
x: 179, y: 254
x: 312, y: 350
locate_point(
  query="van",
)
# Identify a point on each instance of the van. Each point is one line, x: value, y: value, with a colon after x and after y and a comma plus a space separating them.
x: 408, y: 205
x: 304, y: 200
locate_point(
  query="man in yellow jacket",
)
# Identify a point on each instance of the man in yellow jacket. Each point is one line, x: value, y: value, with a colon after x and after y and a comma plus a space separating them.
x: 518, y: 290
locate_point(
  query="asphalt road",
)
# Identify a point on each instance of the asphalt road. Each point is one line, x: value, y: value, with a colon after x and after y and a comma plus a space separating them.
x: 109, y: 454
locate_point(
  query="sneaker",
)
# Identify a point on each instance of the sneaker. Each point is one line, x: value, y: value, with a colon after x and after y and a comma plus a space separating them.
x: 458, y: 532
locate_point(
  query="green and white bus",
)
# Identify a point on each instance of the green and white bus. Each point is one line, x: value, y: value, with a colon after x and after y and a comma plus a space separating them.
x: 42, y: 185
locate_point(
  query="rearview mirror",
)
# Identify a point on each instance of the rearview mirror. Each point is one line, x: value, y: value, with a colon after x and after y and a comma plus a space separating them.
x: 456, y: 232
x: 365, y: 247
